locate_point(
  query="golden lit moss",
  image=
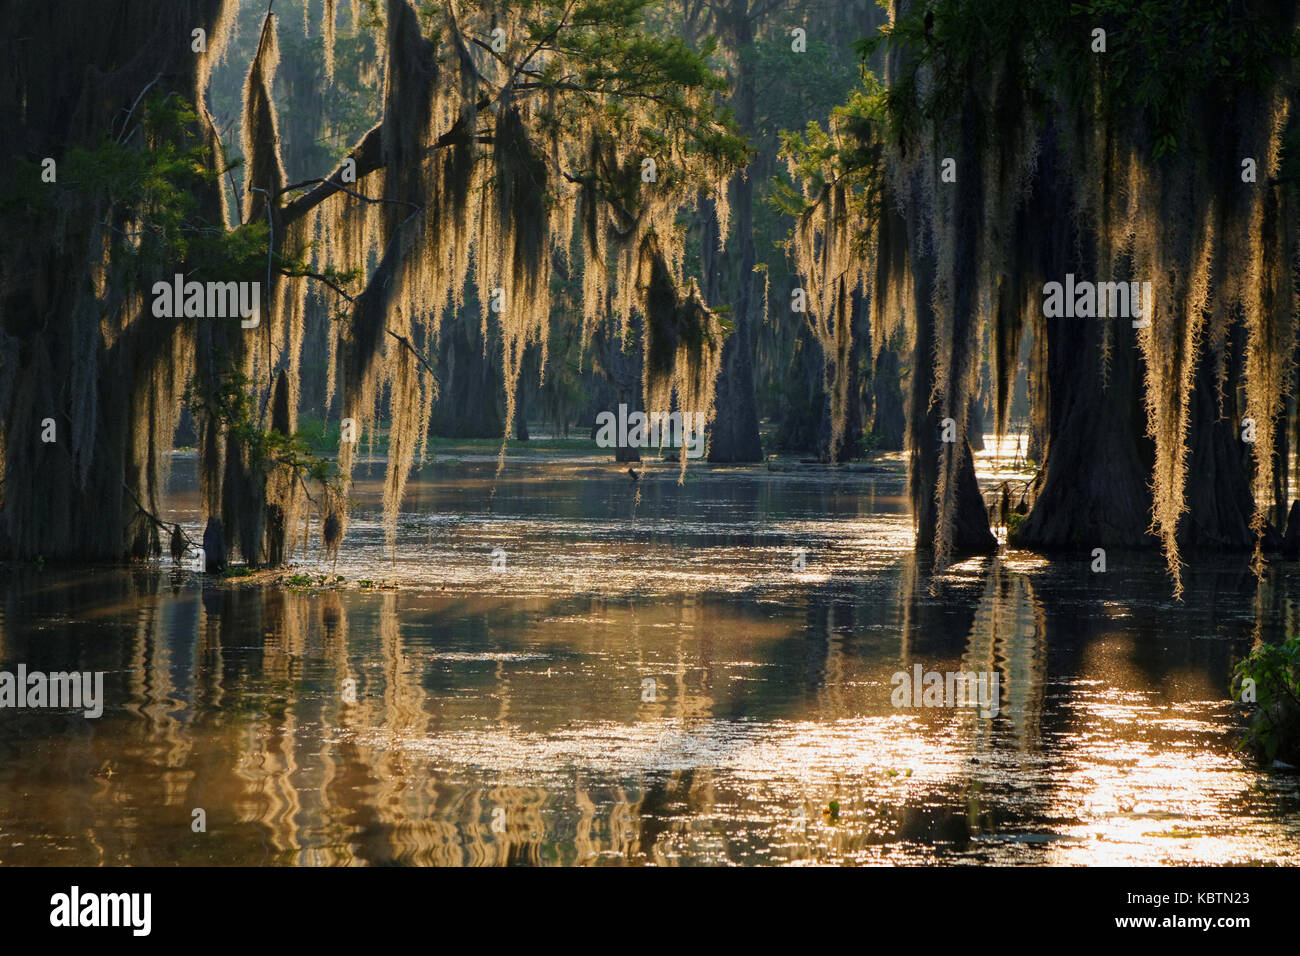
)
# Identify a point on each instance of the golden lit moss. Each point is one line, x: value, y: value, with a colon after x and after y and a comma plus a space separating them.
x: 474, y: 179
x: 329, y: 19
x: 512, y: 136
x: 1217, y: 249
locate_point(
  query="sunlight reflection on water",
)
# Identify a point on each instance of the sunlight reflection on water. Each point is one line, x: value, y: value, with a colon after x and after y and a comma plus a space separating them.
x: 524, y: 690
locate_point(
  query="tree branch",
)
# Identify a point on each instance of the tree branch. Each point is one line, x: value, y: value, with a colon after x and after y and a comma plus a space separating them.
x: 368, y: 156
x: 158, y: 522
x: 418, y: 357
x: 343, y: 189
x: 319, y: 278
x: 127, y: 122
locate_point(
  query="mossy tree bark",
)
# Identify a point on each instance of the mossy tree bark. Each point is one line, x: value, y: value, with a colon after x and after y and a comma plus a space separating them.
x: 481, y: 163
x: 889, y: 420
x: 78, y: 345
x: 970, y: 533
x: 1093, y: 488
x: 733, y: 436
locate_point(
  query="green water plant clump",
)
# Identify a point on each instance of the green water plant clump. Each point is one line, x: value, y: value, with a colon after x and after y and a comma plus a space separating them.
x: 1269, y: 678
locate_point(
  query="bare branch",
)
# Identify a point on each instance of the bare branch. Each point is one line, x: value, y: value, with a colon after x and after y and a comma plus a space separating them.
x: 418, y: 357
x: 127, y: 122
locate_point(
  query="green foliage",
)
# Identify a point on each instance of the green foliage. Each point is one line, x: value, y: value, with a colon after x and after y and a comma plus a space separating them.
x: 231, y: 405
x: 955, y: 40
x: 646, y: 86
x: 1167, y: 62
x: 156, y: 184
x: 315, y: 582
x: 850, y: 147
x: 144, y: 186
x: 297, y: 264
x: 147, y: 200
x: 1275, y: 724
x: 603, y: 57
x: 848, y: 151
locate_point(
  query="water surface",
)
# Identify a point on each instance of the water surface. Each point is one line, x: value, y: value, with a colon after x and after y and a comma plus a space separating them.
x: 504, y: 715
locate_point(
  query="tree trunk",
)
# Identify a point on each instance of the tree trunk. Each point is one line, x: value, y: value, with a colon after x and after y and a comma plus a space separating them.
x: 890, y: 420
x: 850, y: 446
x: 733, y: 433
x: 468, y: 403
x: 106, y: 371
x: 975, y: 424
x: 733, y: 436
x: 1219, y: 501
x: 623, y: 372
x: 970, y: 531
x: 805, y: 397
x: 1093, y: 486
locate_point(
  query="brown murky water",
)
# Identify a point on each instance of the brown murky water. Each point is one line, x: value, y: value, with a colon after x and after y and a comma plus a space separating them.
x: 506, y: 715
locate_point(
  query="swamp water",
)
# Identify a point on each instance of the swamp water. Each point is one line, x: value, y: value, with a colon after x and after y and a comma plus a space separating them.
x: 658, y: 675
